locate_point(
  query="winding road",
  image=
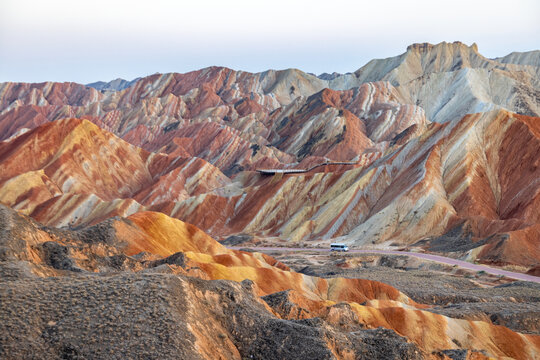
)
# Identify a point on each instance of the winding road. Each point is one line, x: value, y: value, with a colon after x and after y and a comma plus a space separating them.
x: 431, y: 257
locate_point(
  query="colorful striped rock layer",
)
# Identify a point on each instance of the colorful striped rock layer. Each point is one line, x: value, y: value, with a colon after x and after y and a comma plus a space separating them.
x: 436, y: 148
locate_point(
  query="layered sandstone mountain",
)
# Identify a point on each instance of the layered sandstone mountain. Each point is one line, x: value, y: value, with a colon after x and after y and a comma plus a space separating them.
x: 450, y: 80
x: 456, y: 180
x: 244, y: 134
x: 414, y: 169
x: 144, y: 286
x: 70, y: 171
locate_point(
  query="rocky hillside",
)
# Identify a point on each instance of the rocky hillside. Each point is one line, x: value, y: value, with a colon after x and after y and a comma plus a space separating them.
x: 155, y: 287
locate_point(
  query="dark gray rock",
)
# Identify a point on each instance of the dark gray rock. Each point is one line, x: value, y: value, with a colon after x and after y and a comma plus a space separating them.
x: 235, y: 240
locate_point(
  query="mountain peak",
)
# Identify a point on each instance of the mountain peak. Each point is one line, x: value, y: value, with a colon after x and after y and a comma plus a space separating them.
x: 426, y: 47
x: 117, y: 84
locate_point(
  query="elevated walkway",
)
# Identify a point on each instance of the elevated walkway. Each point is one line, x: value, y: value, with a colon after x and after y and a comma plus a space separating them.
x: 300, y: 171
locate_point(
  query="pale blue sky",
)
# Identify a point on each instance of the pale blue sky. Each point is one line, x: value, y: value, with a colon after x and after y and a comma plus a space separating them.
x: 86, y: 41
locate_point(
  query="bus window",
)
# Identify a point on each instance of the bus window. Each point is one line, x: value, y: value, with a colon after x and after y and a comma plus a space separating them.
x: 339, y: 247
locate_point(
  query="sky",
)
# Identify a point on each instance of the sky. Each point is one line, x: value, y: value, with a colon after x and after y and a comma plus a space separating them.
x: 86, y: 41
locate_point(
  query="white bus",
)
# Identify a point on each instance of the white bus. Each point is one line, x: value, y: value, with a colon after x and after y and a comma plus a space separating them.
x: 339, y: 247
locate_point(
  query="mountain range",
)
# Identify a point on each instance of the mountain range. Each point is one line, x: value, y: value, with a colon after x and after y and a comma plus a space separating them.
x: 443, y: 140
x: 434, y: 150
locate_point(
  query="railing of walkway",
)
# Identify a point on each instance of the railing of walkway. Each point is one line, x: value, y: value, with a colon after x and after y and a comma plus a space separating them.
x: 296, y: 171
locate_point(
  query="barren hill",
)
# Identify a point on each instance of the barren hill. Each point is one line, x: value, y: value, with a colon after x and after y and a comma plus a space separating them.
x: 151, y: 286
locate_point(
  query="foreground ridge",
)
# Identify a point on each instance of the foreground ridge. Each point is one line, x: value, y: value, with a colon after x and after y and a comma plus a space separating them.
x: 148, y: 266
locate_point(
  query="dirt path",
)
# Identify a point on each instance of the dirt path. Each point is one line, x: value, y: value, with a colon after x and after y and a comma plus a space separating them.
x: 436, y: 258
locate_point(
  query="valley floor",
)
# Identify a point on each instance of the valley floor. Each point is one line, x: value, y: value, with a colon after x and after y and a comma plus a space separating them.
x: 451, y: 291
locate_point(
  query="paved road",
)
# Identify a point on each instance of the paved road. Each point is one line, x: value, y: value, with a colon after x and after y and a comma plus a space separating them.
x: 436, y: 258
